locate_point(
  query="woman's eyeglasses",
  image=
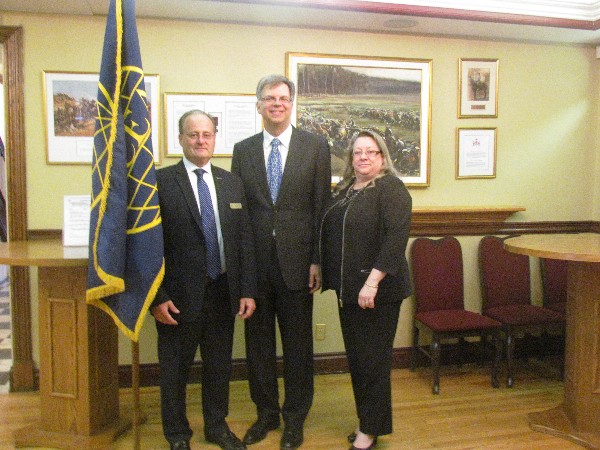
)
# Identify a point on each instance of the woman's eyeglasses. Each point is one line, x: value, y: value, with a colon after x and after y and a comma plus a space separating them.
x: 369, y: 153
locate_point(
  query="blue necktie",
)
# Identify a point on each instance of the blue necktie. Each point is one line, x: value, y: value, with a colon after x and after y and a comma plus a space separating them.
x: 209, y: 227
x: 274, y: 169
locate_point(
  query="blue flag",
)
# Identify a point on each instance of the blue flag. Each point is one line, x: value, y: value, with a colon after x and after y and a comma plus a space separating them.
x: 126, y: 266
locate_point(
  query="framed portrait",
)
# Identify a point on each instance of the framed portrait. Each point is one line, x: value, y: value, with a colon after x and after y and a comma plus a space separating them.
x: 339, y: 95
x: 70, y: 115
x: 236, y: 116
x: 478, y: 88
x: 476, y: 152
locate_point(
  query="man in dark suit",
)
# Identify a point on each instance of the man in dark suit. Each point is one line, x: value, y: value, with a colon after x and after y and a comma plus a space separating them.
x: 210, y: 277
x: 287, y: 177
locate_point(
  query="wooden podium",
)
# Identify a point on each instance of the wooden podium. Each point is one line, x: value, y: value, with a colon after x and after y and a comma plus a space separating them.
x: 79, y: 385
x: 578, y: 417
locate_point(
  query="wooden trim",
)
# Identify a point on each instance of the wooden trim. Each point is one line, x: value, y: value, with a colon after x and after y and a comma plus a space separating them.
x: 514, y: 228
x: 434, y: 12
x: 324, y: 363
x: 35, y: 235
x: 330, y: 363
x: 22, y: 375
x: 458, y: 220
x: 464, y: 227
x: 452, y: 222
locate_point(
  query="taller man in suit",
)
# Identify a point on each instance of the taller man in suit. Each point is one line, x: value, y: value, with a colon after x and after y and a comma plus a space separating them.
x: 287, y: 176
x: 210, y: 276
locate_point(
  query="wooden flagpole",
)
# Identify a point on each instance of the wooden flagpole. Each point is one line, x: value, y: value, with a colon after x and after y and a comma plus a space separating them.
x: 135, y: 389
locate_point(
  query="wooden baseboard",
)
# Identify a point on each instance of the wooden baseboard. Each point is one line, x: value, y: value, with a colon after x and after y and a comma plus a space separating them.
x: 330, y: 363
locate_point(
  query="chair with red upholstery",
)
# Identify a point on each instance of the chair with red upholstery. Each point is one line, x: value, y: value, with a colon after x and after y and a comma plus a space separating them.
x: 506, y: 290
x: 437, y: 270
x: 554, y: 284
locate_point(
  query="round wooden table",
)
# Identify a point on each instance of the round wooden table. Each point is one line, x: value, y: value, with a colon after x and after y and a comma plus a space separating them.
x: 79, y: 367
x: 578, y: 417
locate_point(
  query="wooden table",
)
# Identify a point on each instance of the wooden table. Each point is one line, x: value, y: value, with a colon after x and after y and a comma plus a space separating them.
x: 78, y: 345
x: 578, y: 417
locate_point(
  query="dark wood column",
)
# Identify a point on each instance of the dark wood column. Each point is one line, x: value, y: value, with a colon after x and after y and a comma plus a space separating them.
x: 22, y: 373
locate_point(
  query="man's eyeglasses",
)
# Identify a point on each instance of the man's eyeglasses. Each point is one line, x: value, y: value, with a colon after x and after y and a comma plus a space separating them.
x: 369, y: 153
x: 206, y: 136
x: 271, y: 99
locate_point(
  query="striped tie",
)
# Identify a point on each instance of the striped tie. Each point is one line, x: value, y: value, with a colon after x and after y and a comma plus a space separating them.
x: 209, y: 227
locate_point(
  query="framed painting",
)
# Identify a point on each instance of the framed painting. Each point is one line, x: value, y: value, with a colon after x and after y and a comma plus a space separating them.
x: 70, y: 115
x: 478, y: 88
x: 339, y: 95
x: 475, y: 153
x: 236, y: 115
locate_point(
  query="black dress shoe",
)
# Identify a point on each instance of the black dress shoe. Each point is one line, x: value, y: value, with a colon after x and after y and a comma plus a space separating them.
x: 226, y: 440
x: 259, y: 429
x: 292, y: 437
x: 180, y: 445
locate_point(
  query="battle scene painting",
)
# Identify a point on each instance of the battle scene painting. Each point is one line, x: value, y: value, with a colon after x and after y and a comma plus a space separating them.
x: 335, y: 101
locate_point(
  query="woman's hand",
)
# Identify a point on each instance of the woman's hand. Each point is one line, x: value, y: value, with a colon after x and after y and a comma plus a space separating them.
x: 366, y: 297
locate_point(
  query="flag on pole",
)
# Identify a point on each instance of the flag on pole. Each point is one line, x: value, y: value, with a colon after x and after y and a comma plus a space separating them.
x: 125, y: 267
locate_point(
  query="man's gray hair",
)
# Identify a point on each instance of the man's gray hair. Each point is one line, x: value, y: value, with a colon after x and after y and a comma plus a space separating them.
x: 274, y: 80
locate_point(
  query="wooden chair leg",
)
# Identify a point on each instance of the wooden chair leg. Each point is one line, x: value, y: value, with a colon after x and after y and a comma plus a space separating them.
x: 497, y: 338
x: 435, y: 359
x: 483, y: 340
x: 414, y: 350
x: 510, y: 352
x: 563, y: 348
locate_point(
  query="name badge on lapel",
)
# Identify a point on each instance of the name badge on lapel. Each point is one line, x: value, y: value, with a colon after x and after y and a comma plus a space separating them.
x: 235, y: 205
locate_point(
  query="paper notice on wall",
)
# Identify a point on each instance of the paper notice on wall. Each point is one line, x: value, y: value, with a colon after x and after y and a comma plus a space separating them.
x: 76, y: 225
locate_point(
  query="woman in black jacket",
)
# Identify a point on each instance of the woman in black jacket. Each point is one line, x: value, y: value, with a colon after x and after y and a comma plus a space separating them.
x: 364, y: 234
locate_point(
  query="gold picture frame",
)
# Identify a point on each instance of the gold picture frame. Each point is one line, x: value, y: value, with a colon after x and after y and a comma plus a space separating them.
x: 70, y: 115
x: 236, y: 116
x: 477, y: 88
x: 476, y: 152
x: 338, y: 94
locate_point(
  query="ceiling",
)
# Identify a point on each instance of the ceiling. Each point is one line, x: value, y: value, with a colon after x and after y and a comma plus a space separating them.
x: 555, y: 21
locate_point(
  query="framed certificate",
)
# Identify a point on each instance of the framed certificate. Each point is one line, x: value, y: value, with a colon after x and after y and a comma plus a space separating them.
x: 475, y: 153
x: 236, y: 116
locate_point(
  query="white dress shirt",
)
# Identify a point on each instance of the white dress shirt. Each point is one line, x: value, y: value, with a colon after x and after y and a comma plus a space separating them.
x: 284, y: 147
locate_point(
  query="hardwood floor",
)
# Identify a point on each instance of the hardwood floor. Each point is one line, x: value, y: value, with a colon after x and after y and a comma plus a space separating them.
x: 468, y: 413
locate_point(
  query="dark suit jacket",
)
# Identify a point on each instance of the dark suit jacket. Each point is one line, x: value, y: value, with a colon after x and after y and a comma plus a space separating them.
x: 376, y: 232
x: 295, y: 217
x: 185, y: 255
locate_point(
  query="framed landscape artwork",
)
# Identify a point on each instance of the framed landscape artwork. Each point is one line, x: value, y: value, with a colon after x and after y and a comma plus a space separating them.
x: 338, y: 95
x: 70, y: 115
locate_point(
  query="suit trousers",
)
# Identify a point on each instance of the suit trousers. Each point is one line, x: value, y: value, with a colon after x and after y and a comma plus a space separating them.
x: 369, y: 338
x: 177, y: 345
x: 293, y: 312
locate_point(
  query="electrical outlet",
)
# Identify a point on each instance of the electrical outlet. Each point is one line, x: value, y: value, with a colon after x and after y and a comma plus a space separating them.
x: 320, y: 331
